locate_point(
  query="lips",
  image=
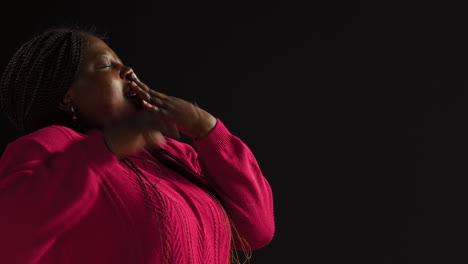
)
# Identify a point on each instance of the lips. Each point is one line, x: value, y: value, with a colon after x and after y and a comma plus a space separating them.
x: 132, y: 97
x: 128, y: 92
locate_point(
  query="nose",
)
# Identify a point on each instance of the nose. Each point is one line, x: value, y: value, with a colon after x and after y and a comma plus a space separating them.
x: 125, y: 72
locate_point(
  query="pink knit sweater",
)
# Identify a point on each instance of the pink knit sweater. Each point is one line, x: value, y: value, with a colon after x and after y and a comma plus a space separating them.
x: 65, y: 199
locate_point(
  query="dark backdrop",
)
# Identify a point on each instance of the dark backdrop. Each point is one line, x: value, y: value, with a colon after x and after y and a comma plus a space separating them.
x: 356, y: 112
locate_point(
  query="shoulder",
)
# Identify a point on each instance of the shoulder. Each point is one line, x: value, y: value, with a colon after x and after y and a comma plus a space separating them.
x: 37, y: 145
x: 50, y: 138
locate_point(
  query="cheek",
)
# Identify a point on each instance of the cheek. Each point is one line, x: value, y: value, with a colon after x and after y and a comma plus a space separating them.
x: 110, y: 102
x: 104, y: 92
x: 100, y: 97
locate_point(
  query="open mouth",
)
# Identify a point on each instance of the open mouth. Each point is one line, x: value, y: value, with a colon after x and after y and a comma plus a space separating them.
x: 133, y: 97
x: 128, y: 91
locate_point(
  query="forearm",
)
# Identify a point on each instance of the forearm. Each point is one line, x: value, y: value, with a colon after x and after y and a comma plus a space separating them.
x: 232, y: 170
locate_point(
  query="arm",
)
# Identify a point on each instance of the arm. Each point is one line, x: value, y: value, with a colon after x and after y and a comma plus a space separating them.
x: 48, y: 182
x: 228, y: 164
x: 232, y: 170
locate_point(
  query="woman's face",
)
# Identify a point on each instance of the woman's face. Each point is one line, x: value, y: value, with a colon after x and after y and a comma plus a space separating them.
x: 100, y: 89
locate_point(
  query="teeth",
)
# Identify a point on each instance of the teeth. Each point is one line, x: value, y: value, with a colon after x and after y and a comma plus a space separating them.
x: 131, y: 94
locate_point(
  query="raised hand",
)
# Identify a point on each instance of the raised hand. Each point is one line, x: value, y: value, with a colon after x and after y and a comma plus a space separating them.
x: 161, y: 116
x: 176, y: 113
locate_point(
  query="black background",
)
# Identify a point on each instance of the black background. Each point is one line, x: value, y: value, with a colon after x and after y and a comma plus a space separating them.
x: 356, y: 111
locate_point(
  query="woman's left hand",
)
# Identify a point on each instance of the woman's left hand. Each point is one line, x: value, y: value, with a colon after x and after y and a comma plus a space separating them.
x: 187, y: 118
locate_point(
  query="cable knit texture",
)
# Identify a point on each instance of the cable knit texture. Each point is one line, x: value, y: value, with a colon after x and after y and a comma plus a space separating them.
x: 66, y: 199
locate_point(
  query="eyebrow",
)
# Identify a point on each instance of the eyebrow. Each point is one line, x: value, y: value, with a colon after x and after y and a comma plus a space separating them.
x: 106, y: 54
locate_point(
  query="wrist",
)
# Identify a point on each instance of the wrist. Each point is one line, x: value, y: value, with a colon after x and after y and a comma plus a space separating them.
x: 207, y: 126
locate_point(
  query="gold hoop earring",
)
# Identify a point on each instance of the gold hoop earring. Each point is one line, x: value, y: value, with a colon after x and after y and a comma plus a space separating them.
x: 74, y: 114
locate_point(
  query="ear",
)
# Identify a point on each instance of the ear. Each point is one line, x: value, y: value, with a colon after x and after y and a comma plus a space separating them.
x: 66, y: 102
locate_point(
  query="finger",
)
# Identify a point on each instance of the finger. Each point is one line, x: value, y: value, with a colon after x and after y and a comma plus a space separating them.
x: 142, y: 85
x: 144, y: 95
x: 148, y: 94
x: 155, y: 101
x: 145, y: 87
x: 138, y: 84
x: 134, y: 78
x: 150, y: 107
x: 158, y: 94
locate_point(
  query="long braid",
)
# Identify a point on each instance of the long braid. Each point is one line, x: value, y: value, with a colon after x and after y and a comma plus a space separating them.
x: 14, y: 76
x: 38, y: 76
x: 171, y: 161
x: 150, y: 203
x: 43, y: 73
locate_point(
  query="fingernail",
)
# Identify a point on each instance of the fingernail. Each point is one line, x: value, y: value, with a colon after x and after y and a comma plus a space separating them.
x: 136, y: 86
x: 150, y: 105
x: 134, y: 76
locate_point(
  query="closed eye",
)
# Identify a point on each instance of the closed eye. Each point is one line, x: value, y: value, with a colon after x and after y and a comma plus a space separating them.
x: 105, y: 64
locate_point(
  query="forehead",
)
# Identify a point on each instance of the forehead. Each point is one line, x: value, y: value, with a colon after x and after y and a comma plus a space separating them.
x: 96, y: 48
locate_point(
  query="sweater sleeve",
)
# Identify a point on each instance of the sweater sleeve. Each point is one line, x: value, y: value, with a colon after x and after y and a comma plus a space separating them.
x: 232, y: 170
x: 49, y: 180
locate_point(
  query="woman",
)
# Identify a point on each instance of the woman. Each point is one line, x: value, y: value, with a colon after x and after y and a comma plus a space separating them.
x: 99, y: 176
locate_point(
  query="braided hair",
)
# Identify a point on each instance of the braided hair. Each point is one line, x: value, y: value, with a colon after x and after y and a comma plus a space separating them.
x: 39, y: 75
x: 37, y: 78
